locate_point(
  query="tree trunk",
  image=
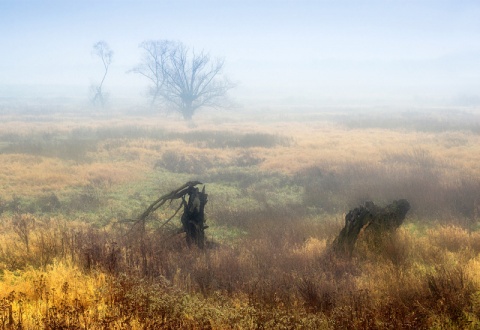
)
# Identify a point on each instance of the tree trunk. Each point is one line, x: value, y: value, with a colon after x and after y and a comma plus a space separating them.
x: 375, y: 219
x: 187, y: 113
x: 193, y: 218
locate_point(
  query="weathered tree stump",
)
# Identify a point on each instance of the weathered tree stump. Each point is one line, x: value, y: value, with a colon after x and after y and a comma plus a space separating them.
x: 193, y: 218
x: 375, y: 219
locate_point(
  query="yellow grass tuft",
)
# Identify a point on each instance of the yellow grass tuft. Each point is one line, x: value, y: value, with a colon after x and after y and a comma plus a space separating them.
x: 312, y: 248
x: 36, y: 292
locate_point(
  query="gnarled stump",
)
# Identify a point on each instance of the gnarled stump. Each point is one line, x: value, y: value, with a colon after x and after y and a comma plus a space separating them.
x: 373, y: 218
x: 193, y: 218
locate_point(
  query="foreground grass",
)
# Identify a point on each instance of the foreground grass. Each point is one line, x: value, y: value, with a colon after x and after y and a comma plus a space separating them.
x: 271, y: 278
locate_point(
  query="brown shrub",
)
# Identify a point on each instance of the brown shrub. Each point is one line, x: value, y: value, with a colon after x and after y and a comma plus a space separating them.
x: 449, y: 237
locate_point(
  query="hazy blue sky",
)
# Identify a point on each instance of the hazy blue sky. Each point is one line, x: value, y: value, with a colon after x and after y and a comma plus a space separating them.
x: 279, y: 51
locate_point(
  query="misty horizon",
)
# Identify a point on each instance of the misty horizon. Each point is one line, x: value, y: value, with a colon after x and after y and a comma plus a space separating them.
x: 283, y: 52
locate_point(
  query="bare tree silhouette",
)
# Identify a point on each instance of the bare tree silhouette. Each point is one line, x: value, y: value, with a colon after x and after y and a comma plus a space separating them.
x: 102, y: 50
x: 183, y: 78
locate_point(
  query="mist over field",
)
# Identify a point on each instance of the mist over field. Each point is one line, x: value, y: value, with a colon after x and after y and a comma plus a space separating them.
x: 239, y: 164
x: 314, y: 53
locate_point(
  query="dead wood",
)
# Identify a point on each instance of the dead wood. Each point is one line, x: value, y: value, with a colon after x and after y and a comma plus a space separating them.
x: 372, y: 218
x: 193, y: 217
x: 175, y: 194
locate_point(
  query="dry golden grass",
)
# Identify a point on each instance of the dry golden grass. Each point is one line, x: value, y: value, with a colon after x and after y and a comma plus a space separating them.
x: 315, y: 142
x: 26, y: 175
x: 272, y: 268
x: 37, y: 291
x: 270, y: 279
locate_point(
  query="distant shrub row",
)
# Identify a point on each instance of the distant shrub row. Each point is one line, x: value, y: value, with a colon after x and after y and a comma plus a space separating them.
x: 76, y: 144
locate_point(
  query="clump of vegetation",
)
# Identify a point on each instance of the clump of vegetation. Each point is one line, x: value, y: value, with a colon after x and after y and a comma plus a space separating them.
x: 271, y: 278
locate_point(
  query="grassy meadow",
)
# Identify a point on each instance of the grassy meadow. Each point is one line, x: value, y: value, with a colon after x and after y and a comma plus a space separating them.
x: 279, y: 184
